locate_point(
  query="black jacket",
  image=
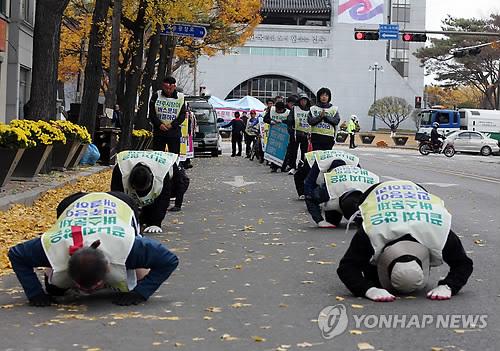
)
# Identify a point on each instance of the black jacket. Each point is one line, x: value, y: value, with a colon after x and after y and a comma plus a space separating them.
x: 238, y: 126
x: 435, y: 136
x: 175, y: 130
x: 359, y: 275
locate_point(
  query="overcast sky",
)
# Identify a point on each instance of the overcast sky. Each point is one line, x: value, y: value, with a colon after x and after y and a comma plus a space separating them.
x: 438, y: 9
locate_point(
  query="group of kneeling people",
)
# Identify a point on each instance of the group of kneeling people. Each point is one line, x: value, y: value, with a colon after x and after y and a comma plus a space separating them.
x: 402, y: 229
x: 96, y: 242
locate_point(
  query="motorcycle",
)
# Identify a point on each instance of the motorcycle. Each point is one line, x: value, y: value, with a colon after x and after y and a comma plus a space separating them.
x: 426, y: 147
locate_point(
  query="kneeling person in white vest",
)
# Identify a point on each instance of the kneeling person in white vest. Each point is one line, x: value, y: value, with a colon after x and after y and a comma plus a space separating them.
x: 405, y: 231
x: 94, y: 244
x: 150, y: 178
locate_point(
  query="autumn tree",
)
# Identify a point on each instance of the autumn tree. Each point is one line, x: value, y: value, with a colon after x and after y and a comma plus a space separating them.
x: 391, y: 110
x: 453, y: 97
x: 46, y: 39
x: 481, y: 71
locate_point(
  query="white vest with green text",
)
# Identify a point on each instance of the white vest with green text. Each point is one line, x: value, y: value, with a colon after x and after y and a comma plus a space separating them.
x: 322, y: 127
x: 159, y: 162
x: 102, y: 217
x: 168, y: 109
x: 396, y: 208
x: 300, y: 117
x: 278, y: 117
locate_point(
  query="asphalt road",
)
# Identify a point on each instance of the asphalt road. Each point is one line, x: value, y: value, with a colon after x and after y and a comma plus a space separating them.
x: 254, y: 271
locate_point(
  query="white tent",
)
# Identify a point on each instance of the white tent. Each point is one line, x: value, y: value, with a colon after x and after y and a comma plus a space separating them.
x: 246, y: 103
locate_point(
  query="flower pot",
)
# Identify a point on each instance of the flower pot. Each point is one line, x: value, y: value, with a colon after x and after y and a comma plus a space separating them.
x: 341, y: 137
x: 367, y: 138
x: 75, y: 161
x: 400, y: 140
x: 136, y: 143
x: 63, y: 153
x: 9, y: 158
x: 31, y: 162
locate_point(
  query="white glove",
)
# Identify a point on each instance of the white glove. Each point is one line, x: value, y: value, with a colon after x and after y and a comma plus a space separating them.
x: 153, y: 229
x: 440, y: 292
x: 379, y: 295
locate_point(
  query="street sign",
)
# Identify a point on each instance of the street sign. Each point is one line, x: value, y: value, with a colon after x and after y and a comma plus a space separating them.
x: 388, y: 31
x: 185, y: 30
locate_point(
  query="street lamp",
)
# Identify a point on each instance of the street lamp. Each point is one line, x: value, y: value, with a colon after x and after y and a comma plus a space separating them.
x: 375, y: 67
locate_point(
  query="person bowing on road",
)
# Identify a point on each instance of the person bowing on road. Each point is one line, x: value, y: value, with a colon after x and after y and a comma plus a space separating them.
x: 405, y: 231
x: 94, y: 244
x: 150, y: 178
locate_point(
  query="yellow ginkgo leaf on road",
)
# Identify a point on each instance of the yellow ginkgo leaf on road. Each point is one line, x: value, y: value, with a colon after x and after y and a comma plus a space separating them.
x: 258, y: 339
x: 357, y: 306
x: 355, y: 332
x: 304, y: 344
x: 365, y: 346
x: 240, y: 305
x: 227, y: 337
x: 213, y: 309
x: 260, y: 221
x: 339, y: 298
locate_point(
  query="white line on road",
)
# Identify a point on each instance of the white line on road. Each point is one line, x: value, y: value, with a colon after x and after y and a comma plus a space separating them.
x: 239, y: 182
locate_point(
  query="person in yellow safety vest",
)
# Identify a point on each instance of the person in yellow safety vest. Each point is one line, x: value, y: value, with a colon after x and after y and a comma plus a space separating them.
x: 405, y: 231
x: 351, y: 129
x: 323, y: 118
x: 167, y: 111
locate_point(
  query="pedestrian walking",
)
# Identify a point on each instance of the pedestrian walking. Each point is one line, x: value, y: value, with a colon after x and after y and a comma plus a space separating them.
x: 238, y: 127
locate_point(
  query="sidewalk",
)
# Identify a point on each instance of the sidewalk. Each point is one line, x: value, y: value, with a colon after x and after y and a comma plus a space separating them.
x: 27, y: 192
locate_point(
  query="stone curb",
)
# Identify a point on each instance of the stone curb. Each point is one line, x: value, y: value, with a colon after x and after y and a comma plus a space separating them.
x: 27, y: 198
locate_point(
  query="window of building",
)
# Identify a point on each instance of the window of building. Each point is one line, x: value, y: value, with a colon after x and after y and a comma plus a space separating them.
x: 24, y: 75
x: 3, y: 7
x: 401, y: 11
x: 291, y: 52
x: 269, y: 86
x: 27, y: 10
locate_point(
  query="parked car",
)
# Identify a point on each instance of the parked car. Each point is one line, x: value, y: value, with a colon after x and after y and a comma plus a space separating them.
x: 206, y: 138
x: 472, y: 141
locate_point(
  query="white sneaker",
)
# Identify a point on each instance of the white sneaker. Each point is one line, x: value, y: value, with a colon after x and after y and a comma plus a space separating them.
x: 325, y: 224
x: 292, y: 171
x: 302, y: 197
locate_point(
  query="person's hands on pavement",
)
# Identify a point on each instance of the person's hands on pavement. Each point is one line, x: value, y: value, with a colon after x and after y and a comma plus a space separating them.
x: 128, y: 298
x: 153, y: 229
x: 440, y: 292
x: 41, y: 300
x: 379, y: 295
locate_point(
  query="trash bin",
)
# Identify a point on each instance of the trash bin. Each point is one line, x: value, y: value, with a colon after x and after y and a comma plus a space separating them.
x: 106, y: 140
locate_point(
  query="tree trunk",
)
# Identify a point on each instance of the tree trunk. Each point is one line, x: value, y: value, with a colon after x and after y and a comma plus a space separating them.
x: 141, y: 120
x: 172, y: 43
x: 162, y: 63
x: 133, y: 77
x: 43, y: 94
x: 114, y: 55
x: 93, y: 68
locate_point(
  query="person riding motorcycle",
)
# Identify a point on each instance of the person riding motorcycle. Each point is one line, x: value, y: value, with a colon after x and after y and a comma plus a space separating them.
x: 435, y: 136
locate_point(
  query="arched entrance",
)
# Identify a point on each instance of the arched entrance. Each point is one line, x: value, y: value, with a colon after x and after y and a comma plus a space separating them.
x: 269, y: 86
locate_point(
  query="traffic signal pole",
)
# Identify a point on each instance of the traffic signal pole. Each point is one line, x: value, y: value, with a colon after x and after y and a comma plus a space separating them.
x: 445, y: 32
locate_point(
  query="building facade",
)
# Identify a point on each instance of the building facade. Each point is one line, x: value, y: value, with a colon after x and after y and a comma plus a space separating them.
x: 303, y: 45
x: 4, y: 47
x: 20, y: 57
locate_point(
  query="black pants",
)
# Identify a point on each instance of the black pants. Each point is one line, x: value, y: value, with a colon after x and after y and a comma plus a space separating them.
x: 303, y: 143
x: 236, y: 139
x: 291, y: 152
x: 351, y: 141
x: 173, y: 143
x: 180, y: 184
x: 323, y: 143
x: 300, y: 176
x: 249, y: 140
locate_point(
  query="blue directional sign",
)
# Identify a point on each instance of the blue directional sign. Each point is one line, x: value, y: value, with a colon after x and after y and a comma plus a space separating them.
x: 185, y: 30
x: 388, y: 31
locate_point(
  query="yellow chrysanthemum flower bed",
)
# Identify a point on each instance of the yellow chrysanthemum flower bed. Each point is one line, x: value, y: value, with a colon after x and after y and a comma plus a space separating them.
x: 41, y: 132
x: 14, y: 137
x: 73, y: 131
x: 22, y: 223
x: 141, y: 133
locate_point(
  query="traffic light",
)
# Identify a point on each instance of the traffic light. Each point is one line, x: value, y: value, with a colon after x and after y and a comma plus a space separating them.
x: 418, y: 102
x: 366, y: 35
x: 417, y: 37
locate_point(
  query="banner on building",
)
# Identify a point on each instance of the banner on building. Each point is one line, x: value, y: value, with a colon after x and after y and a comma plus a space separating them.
x: 277, y: 144
x: 361, y: 11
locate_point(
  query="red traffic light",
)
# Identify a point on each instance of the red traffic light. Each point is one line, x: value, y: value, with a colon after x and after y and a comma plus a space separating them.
x: 366, y: 35
x: 417, y: 37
